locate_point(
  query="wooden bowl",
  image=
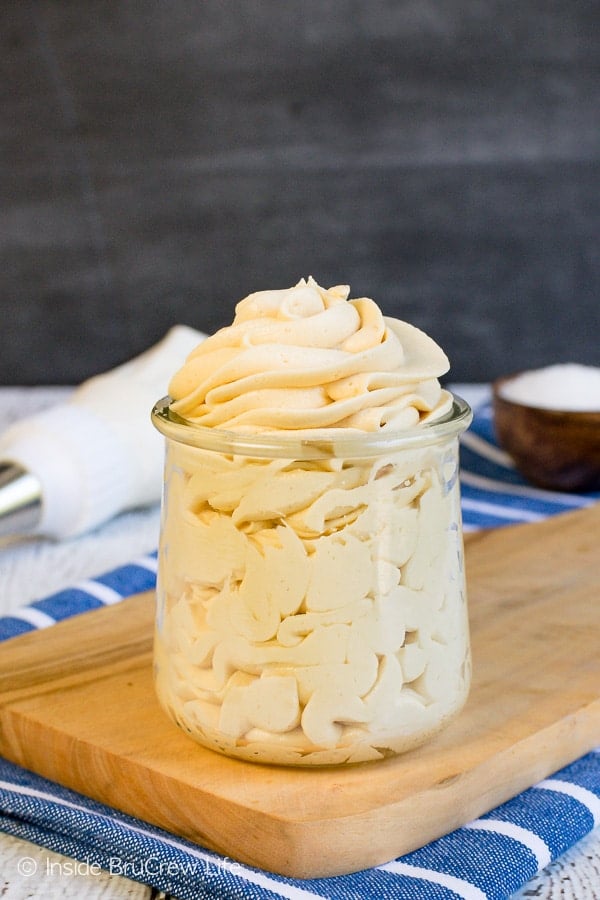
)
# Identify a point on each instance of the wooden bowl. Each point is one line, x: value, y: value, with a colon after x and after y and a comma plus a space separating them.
x: 552, y: 448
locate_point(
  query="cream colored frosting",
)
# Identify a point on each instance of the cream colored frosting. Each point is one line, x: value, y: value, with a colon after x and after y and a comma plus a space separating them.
x: 313, y: 610
x: 309, y: 358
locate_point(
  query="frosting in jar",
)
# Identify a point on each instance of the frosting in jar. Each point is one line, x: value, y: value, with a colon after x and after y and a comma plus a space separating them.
x: 312, y: 610
x: 309, y: 358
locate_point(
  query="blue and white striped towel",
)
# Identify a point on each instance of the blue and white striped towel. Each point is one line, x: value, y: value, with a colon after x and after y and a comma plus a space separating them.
x: 493, y: 492
x: 490, y: 857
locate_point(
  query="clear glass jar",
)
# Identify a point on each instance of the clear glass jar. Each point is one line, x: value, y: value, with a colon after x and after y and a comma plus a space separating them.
x: 311, y: 594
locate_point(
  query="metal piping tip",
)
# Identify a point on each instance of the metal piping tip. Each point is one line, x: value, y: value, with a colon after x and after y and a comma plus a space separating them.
x: 20, y: 500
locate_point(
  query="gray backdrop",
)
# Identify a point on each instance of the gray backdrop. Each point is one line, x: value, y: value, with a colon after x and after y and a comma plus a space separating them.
x: 163, y: 159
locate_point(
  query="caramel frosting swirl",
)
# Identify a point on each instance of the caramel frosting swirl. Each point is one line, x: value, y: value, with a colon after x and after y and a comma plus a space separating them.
x: 308, y: 358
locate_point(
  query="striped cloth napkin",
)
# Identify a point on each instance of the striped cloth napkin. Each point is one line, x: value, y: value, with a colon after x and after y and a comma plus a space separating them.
x: 487, y: 859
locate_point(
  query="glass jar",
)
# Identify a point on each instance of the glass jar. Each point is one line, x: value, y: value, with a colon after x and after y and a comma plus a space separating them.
x: 311, y: 594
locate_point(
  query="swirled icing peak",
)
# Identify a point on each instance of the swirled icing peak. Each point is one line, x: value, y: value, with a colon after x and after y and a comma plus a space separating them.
x: 308, y: 358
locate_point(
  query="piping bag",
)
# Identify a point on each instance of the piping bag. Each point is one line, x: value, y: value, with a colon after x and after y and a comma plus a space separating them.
x: 67, y: 469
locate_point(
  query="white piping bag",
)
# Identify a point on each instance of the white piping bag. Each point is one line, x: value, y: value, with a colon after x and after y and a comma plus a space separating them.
x: 69, y: 468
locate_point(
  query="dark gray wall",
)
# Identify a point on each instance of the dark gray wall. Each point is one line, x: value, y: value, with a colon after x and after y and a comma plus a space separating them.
x: 163, y: 159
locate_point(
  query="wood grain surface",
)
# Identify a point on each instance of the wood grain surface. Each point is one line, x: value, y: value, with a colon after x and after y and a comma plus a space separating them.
x: 77, y: 705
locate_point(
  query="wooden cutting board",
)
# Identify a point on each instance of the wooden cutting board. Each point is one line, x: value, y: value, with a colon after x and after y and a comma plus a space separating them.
x: 77, y: 705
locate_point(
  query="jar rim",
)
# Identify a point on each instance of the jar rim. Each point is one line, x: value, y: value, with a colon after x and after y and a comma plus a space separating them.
x: 342, y: 443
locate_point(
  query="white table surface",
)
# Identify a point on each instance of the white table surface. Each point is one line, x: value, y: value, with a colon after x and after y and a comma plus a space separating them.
x: 33, y: 568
